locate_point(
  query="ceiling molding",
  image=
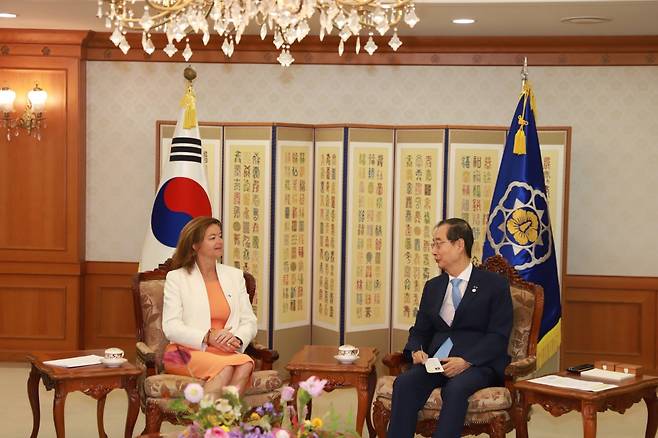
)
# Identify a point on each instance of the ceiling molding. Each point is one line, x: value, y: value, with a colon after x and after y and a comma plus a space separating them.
x: 557, y: 51
x: 485, y: 51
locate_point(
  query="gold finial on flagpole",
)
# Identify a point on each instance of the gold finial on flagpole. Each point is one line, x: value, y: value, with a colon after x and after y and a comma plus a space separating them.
x: 189, y: 73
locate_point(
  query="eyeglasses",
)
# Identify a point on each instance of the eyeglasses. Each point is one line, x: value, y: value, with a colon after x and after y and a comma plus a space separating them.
x: 438, y: 243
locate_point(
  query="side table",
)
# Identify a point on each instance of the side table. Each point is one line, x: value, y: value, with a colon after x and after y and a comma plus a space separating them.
x: 319, y: 361
x: 94, y: 380
x: 559, y: 401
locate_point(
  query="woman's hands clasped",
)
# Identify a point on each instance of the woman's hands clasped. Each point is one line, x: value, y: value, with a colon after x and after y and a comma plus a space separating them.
x: 223, y: 340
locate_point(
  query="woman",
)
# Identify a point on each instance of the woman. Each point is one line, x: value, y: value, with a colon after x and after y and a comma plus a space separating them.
x: 207, y: 315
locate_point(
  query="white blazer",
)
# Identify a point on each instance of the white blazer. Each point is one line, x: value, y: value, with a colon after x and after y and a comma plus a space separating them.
x: 186, y: 311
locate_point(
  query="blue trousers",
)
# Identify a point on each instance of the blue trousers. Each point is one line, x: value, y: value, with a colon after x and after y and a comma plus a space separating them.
x: 413, y: 387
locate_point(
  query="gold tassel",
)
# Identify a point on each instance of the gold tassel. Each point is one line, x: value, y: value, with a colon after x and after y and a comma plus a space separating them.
x: 519, y: 142
x: 189, y: 103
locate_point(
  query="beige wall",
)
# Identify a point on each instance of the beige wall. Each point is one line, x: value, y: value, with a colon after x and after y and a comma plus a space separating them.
x: 613, y: 112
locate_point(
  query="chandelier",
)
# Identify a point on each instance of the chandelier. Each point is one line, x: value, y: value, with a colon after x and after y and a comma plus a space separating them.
x: 286, y: 20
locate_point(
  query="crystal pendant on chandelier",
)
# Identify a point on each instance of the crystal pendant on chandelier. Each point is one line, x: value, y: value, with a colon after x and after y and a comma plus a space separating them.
x: 410, y: 16
x: 287, y: 20
x: 170, y: 49
x: 187, y: 53
x: 395, y: 42
x: 124, y: 46
x: 147, y: 44
x: 285, y: 58
x: 370, y: 46
x: 116, y: 37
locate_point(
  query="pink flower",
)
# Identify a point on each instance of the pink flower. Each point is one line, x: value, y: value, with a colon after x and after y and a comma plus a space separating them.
x: 313, y: 386
x: 193, y: 392
x: 287, y: 393
x: 280, y: 433
x: 216, y: 432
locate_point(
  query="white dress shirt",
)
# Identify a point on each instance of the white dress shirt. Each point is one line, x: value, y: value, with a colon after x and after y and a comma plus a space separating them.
x: 447, y: 308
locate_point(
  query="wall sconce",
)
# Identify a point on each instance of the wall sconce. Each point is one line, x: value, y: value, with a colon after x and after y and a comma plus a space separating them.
x: 32, y: 119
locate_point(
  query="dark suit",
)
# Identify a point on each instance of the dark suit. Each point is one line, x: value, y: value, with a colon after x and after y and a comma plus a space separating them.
x: 480, y: 333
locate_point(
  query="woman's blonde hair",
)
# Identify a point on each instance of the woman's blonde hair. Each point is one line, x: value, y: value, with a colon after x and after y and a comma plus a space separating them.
x: 191, y: 234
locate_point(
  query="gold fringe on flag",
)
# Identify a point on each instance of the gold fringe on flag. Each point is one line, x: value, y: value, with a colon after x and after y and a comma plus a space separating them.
x: 189, y: 103
x: 549, y: 344
x: 519, y: 138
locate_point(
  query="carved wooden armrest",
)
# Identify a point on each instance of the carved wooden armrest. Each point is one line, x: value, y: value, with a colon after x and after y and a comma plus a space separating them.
x: 146, y: 355
x: 395, y: 363
x: 521, y: 367
x: 262, y: 353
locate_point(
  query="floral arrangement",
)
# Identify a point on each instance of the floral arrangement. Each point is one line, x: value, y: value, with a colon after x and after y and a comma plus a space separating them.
x: 229, y: 417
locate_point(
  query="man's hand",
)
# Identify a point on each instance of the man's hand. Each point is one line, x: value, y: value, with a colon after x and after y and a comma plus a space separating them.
x: 419, y: 357
x: 453, y: 366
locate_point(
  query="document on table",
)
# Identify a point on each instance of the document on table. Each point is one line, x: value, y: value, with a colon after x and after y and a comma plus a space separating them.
x: 571, y: 383
x: 72, y: 362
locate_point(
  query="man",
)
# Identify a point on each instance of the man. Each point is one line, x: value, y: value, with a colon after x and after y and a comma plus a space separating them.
x: 471, y: 341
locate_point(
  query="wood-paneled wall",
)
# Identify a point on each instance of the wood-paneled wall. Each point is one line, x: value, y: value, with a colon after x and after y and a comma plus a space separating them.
x: 611, y: 318
x: 108, y: 316
x: 42, y: 186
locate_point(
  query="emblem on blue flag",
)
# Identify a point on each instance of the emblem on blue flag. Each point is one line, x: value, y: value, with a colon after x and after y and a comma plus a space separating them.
x: 519, y: 226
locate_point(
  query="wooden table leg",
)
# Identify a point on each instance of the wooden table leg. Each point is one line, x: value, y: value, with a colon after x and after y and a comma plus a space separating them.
x: 652, y: 414
x: 362, y: 399
x: 100, y: 408
x: 521, y: 417
x: 133, y: 407
x: 372, y: 383
x: 588, y: 413
x: 58, y: 410
x: 33, y: 395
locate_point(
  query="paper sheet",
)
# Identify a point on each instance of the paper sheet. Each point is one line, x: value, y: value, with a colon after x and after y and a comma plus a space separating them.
x: 73, y: 362
x: 568, y: 382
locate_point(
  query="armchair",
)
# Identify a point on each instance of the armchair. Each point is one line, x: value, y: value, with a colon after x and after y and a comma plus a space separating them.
x: 156, y: 387
x: 492, y: 410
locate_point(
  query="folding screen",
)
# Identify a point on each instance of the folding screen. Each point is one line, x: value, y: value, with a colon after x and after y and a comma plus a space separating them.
x: 328, y: 242
x: 248, y: 210
x: 418, y: 206
x: 292, y: 256
x: 369, y: 240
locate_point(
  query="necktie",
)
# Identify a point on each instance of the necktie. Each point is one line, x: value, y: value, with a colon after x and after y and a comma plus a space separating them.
x: 444, y: 349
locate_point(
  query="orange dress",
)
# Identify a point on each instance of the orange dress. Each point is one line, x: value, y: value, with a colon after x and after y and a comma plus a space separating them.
x: 206, y: 364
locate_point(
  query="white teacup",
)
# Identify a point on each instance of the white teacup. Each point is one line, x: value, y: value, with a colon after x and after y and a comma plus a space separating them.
x: 348, y: 351
x: 114, y: 353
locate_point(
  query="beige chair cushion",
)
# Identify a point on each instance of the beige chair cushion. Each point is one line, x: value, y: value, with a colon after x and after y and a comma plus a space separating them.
x: 264, y: 381
x: 484, y: 401
x: 524, y: 306
x: 172, y: 385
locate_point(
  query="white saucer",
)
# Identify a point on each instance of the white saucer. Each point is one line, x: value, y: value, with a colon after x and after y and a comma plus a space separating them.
x: 345, y: 359
x: 114, y: 363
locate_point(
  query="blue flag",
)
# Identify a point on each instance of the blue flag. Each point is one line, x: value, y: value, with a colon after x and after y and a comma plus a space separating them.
x: 519, y: 226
